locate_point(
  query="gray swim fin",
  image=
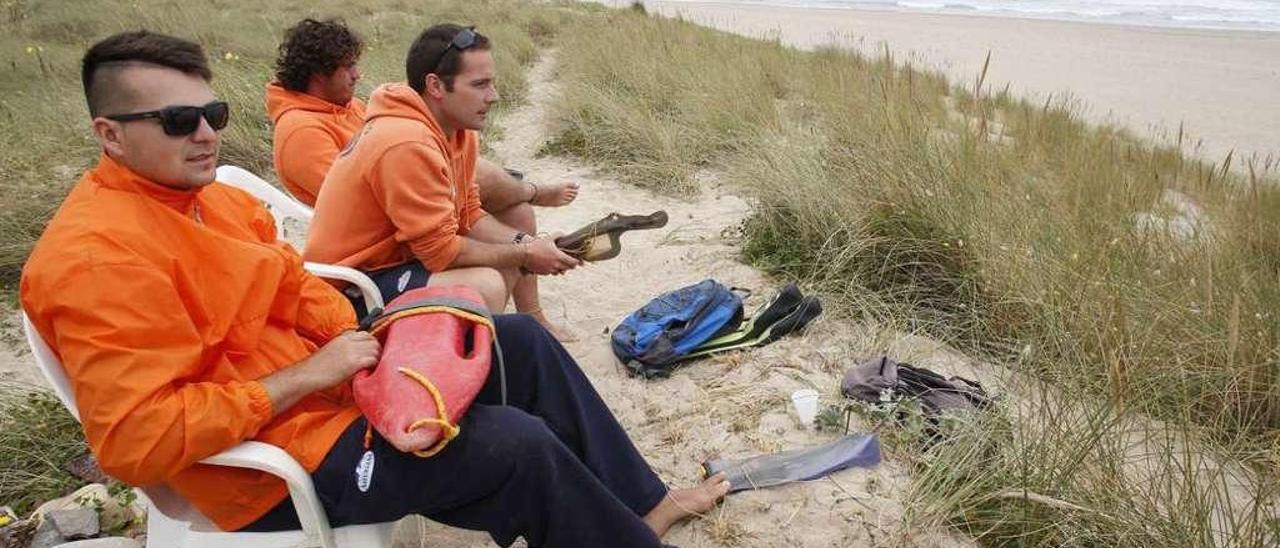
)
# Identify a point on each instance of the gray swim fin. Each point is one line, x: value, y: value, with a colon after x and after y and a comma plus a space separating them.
x: 861, y: 450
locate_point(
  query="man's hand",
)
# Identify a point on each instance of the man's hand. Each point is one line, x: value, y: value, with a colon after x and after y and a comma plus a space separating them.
x: 545, y: 258
x: 343, y: 355
x: 333, y: 363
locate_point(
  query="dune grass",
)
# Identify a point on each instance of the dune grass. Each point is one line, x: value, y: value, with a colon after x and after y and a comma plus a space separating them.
x: 45, y: 144
x: 1130, y: 278
x: 39, y: 437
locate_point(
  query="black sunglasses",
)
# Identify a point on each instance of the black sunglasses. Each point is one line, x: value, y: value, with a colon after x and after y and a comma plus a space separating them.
x: 461, y: 41
x: 179, y: 121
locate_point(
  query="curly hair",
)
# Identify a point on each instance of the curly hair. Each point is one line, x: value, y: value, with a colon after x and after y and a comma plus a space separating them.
x: 315, y: 47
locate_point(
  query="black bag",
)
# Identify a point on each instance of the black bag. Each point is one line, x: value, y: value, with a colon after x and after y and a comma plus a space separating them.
x: 937, y: 394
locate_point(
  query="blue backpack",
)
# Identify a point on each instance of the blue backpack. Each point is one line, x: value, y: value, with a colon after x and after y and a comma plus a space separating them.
x: 650, y: 340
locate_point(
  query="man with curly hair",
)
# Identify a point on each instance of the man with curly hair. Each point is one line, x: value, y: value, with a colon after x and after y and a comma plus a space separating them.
x: 312, y: 102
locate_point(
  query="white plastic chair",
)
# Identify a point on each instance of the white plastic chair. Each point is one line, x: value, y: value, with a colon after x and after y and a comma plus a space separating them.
x: 283, y: 207
x: 172, y: 522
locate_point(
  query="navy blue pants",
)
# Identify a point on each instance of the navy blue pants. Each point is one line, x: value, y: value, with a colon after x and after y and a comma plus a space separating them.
x: 554, y: 466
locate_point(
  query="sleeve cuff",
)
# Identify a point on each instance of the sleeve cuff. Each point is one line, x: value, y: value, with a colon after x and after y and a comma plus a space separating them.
x: 259, y: 404
x: 440, y: 261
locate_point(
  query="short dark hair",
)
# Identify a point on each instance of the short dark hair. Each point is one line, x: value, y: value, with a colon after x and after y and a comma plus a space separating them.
x: 427, y: 55
x: 315, y: 47
x: 104, y: 59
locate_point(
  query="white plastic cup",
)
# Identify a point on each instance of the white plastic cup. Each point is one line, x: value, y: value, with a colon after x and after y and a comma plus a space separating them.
x: 806, y: 404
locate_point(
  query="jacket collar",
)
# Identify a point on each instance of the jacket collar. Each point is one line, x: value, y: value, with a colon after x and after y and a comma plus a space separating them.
x: 112, y: 174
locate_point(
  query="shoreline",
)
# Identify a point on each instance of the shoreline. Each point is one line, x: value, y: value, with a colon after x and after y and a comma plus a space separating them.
x: 1060, y: 17
x: 1221, y: 86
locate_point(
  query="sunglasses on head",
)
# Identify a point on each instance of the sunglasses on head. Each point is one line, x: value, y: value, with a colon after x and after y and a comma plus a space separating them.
x: 183, y: 120
x: 461, y: 41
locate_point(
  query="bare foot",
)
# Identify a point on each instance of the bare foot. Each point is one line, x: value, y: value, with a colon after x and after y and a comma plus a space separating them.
x: 560, y: 333
x: 553, y: 194
x: 682, y: 503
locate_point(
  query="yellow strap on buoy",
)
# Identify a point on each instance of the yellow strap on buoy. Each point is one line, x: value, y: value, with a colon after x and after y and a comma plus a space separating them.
x: 448, y: 429
x: 384, y: 322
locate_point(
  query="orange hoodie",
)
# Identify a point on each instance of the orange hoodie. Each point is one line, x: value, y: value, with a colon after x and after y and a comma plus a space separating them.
x: 165, y: 307
x: 309, y: 132
x: 401, y: 189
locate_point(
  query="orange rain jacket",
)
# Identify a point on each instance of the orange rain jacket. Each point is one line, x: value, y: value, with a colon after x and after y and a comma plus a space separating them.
x: 165, y: 306
x: 309, y: 132
x: 402, y: 189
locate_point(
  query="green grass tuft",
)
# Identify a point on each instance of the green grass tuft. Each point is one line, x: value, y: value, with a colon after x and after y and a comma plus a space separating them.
x: 39, y: 437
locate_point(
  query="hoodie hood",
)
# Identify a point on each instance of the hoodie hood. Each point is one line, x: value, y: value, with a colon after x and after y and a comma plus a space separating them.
x: 281, y: 100
x: 400, y: 191
x: 401, y: 101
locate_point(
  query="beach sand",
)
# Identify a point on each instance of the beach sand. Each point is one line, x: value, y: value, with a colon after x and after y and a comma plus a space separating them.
x: 1223, y: 86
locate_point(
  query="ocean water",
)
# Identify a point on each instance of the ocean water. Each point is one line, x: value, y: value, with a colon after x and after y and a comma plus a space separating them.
x: 1215, y: 14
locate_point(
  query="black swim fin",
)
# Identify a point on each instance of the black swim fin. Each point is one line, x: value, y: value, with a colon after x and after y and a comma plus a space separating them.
x: 799, y: 317
x: 782, y: 303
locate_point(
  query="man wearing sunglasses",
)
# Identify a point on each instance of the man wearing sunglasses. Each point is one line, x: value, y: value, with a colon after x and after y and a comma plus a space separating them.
x: 185, y: 328
x: 403, y: 202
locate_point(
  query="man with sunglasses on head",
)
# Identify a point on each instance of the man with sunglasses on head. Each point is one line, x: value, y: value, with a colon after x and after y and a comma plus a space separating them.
x: 405, y: 200
x: 185, y: 328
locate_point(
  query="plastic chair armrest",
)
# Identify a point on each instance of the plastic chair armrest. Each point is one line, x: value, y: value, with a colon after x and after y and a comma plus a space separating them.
x: 275, y: 461
x: 372, y: 297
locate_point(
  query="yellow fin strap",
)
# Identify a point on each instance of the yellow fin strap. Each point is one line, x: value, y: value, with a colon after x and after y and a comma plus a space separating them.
x: 447, y: 428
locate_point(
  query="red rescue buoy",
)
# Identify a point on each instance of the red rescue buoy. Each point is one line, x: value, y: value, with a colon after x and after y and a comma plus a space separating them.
x: 436, y: 353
